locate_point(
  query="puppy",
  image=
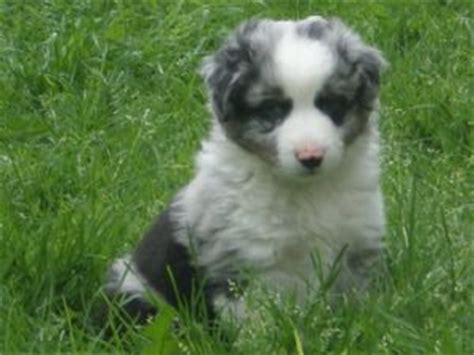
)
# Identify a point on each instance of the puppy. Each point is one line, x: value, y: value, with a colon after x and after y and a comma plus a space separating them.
x: 289, y: 174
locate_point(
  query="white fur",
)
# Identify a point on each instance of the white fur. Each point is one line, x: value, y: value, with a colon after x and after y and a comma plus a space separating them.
x: 126, y: 278
x: 306, y: 126
x: 302, y: 66
x: 275, y: 223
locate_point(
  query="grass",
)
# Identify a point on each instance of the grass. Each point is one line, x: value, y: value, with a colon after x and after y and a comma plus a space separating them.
x: 101, y: 110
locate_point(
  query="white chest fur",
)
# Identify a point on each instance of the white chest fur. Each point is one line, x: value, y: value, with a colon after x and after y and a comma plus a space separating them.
x: 240, y: 215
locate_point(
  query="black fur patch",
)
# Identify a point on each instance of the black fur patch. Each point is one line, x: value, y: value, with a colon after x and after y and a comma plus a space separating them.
x: 168, y: 267
x: 335, y: 106
x: 120, y: 309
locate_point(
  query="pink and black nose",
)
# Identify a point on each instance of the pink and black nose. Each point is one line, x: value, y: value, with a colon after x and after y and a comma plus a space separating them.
x: 310, y: 157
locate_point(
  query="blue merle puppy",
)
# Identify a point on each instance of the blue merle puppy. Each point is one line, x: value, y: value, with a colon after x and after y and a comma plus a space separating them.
x: 290, y: 168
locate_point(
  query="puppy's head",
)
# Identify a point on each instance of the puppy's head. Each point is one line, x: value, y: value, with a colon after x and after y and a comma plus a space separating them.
x: 296, y: 94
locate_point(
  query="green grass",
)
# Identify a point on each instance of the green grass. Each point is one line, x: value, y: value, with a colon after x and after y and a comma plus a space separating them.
x: 101, y: 110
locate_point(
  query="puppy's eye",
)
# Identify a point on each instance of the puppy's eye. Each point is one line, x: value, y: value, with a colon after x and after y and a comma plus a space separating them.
x: 272, y: 110
x: 335, y: 106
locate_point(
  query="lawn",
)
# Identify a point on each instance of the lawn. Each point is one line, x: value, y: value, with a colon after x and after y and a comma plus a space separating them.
x: 101, y: 112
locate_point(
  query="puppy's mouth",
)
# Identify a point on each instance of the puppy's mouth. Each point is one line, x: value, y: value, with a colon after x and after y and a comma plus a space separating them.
x: 311, y: 167
x: 310, y: 172
x: 301, y: 175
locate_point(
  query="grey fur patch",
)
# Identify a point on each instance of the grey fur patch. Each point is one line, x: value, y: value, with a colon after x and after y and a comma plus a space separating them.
x: 235, y: 67
x: 353, y: 87
x: 313, y: 27
x: 238, y: 69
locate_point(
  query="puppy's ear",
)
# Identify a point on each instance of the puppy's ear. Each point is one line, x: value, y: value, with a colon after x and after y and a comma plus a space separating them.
x: 371, y: 64
x: 228, y: 71
x: 357, y: 56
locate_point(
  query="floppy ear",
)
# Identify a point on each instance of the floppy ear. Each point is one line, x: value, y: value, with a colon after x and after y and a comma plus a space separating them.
x: 367, y: 60
x: 371, y: 64
x: 226, y: 72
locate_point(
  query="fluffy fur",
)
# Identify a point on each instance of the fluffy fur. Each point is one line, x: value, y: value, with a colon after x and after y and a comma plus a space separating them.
x: 290, y: 170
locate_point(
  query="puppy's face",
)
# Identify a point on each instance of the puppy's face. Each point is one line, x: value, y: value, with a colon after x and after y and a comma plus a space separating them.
x: 296, y: 94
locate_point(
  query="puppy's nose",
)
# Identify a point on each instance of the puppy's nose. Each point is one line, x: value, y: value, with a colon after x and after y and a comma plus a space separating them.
x: 310, y: 157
